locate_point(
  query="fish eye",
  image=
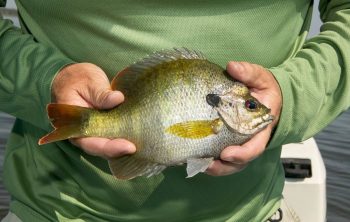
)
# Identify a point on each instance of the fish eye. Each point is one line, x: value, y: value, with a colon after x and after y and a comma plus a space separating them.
x: 251, y: 104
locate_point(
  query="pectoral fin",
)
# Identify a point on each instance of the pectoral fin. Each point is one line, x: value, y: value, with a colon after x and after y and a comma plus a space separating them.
x: 200, y: 165
x: 196, y: 129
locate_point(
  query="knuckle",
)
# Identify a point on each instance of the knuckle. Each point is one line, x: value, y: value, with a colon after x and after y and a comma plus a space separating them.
x: 99, y: 97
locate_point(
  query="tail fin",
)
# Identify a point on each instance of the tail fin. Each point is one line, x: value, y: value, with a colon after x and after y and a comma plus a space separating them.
x: 67, y: 121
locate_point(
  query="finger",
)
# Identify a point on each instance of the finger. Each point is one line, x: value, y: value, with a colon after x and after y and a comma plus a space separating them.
x: 222, y: 168
x: 104, y: 147
x: 248, y: 151
x: 112, y: 99
x: 247, y: 73
x: 106, y: 98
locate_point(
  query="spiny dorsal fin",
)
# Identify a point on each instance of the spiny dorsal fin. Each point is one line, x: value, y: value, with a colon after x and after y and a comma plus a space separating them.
x: 127, y: 76
x: 128, y: 167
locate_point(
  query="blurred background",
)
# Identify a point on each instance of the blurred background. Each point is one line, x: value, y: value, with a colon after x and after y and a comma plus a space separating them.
x: 333, y: 141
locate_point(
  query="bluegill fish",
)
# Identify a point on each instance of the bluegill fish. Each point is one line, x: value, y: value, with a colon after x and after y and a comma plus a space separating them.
x: 179, y: 109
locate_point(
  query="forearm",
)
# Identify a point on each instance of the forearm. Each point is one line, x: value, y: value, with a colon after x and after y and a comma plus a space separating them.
x: 26, y: 72
x: 315, y: 83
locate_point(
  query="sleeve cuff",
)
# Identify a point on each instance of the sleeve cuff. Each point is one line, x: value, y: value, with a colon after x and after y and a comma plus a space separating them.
x: 281, y: 131
x: 46, y: 83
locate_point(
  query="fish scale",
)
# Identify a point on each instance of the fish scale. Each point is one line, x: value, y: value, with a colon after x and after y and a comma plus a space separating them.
x: 167, y: 115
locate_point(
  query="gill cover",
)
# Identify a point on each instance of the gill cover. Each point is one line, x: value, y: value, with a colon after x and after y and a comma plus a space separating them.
x: 240, y: 111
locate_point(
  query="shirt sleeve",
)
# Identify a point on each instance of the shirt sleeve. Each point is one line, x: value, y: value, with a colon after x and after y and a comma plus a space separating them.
x: 27, y: 69
x: 315, y: 84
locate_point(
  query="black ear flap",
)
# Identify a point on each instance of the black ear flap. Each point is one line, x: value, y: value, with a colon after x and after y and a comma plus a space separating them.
x: 213, y: 100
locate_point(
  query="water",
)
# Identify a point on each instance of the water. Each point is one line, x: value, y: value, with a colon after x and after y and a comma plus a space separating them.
x: 333, y: 141
x: 6, y: 123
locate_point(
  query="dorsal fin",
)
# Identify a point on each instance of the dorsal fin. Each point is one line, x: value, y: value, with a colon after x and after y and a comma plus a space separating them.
x: 127, y: 76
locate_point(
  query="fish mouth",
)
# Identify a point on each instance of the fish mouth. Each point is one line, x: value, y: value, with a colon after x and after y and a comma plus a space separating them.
x: 266, y: 119
x: 270, y: 118
x: 251, y: 127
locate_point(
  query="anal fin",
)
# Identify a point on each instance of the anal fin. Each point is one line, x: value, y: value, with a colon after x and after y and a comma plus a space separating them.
x: 197, y: 165
x: 129, y: 167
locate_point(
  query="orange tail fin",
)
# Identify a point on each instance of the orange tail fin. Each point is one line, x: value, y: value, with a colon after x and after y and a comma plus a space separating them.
x: 67, y: 121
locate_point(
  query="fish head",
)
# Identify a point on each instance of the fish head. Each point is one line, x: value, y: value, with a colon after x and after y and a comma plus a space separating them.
x: 241, y: 112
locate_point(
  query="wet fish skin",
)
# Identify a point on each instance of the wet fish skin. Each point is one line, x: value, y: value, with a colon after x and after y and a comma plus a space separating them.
x: 166, y: 114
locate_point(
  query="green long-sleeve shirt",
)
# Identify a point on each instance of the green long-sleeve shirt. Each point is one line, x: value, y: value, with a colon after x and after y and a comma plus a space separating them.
x: 58, y: 182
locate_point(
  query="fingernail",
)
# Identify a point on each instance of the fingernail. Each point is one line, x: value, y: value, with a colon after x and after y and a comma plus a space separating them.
x: 118, y: 96
x: 131, y: 147
x: 127, y: 148
x: 113, y: 99
x: 238, y: 67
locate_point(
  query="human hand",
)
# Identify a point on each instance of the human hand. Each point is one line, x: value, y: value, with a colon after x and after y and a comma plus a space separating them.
x: 264, y: 87
x: 85, y: 84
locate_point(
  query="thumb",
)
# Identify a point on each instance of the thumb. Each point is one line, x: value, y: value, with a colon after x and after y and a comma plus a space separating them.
x: 246, y: 73
x: 106, y: 99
